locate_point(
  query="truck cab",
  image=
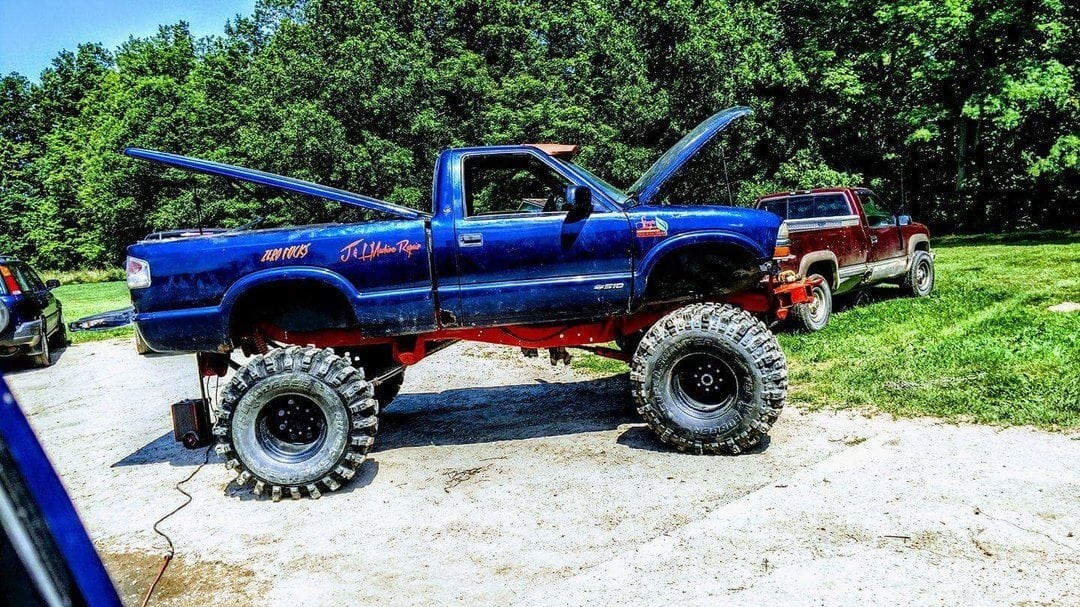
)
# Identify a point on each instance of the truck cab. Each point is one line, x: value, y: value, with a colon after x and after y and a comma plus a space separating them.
x: 517, y: 234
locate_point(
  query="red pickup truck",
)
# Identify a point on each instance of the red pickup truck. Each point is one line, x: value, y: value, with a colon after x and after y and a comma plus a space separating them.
x: 847, y: 237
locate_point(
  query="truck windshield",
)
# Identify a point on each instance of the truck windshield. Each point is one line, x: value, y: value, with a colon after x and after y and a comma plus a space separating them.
x: 613, y: 192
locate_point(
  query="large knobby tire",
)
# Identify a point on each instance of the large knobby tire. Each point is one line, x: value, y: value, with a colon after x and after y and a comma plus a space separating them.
x: 375, y: 367
x: 815, y: 315
x: 919, y: 279
x: 709, y: 378
x: 296, y: 421
x: 43, y: 358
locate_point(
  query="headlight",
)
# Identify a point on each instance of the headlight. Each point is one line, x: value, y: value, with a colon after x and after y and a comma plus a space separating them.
x: 5, y: 316
x: 138, y: 273
x: 783, y: 242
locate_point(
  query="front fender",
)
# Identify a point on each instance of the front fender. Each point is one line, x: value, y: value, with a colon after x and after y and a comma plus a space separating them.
x: 670, y: 245
x: 916, y: 239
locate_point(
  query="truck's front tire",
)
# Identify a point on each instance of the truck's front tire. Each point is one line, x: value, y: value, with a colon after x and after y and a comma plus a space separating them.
x: 919, y: 279
x: 296, y: 421
x: 709, y: 378
x: 815, y: 315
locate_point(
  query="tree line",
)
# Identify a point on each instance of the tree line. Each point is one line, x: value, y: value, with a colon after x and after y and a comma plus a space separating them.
x: 965, y: 112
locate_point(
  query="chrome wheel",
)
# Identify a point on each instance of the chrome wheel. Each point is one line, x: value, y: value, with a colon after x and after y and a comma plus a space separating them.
x: 291, y: 427
x: 924, y: 275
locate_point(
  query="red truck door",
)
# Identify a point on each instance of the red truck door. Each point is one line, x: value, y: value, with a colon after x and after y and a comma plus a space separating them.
x: 881, y: 228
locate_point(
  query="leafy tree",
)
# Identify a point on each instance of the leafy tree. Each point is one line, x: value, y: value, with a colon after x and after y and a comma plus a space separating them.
x: 967, y: 111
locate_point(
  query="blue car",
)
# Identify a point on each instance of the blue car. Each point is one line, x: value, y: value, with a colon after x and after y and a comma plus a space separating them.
x: 31, y: 317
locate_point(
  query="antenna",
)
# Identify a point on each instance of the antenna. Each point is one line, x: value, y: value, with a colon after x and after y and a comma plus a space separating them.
x: 727, y: 182
x: 198, y: 207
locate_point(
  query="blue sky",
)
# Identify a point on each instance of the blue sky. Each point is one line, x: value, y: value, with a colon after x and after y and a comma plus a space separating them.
x: 32, y: 32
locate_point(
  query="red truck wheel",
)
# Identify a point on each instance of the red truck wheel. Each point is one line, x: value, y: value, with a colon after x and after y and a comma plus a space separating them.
x: 815, y: 315
x: 709, y: 378
x: 919, y: 279
x: 296, y: 421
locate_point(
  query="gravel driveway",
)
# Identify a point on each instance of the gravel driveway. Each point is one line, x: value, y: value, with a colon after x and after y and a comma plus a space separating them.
x: 497, y: 479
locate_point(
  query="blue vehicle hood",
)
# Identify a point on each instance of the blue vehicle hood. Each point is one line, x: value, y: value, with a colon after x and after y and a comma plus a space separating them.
x: 277, y: 181
x: 646, y: 188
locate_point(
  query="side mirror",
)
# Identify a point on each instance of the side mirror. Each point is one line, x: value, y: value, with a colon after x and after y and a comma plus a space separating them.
x: 903, y: 220
x: 578, y: 201
x: 52, y: 283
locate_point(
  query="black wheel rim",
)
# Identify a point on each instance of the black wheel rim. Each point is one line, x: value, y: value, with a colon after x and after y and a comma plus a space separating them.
x: 703, y: 383
x: 291, y: 427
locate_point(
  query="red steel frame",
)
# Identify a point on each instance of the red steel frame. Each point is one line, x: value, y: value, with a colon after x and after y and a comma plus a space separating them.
x: 775, y: 298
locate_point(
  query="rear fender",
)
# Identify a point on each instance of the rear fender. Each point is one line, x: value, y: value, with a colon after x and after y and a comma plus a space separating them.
x: 671, y: 245
x: 288, y: 275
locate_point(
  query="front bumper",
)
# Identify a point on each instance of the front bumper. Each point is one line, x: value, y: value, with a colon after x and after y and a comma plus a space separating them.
x: 776, y: 295
x: 26, y: 335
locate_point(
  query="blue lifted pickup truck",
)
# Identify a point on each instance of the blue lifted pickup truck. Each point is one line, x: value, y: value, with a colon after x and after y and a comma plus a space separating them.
x: 523, y: 247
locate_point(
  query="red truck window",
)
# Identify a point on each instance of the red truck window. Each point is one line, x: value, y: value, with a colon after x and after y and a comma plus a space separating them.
x: 810, y: 206
x: 876, y: 215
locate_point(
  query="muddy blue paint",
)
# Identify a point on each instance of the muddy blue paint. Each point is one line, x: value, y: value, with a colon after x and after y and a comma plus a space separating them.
x: 530, y: 268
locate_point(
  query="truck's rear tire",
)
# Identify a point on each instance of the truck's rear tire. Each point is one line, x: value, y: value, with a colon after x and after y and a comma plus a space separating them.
x: 709, y: 378
x: 296, y: 421
x: 815, y: 315
x: 919, y: 279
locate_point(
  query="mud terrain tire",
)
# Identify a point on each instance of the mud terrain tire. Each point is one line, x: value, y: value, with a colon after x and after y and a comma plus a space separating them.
x: 814, y: 316
x: 296, y: 421
x: 919, y: 279
x: 709, y: 378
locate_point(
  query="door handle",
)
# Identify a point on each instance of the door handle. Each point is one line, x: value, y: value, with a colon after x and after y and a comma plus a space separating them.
x: 873, y: 239
x: 471, y: 240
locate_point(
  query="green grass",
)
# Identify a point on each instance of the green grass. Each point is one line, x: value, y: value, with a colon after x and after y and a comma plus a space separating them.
x: 78, y: 277
x: 91, y: 298
x: 984, y: 347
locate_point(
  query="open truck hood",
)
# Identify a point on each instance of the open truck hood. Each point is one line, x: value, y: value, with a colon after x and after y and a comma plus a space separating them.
x: 275, y: 181
x: 647, y: 187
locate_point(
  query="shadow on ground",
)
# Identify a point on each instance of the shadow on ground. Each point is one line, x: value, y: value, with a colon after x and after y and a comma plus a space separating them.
x: 470, y: 416
x: 21, y: 364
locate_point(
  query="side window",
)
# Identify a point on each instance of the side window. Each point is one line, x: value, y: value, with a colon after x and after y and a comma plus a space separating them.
x: 876, y: 214
x: 831, y: 205
x: 500, y: 184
